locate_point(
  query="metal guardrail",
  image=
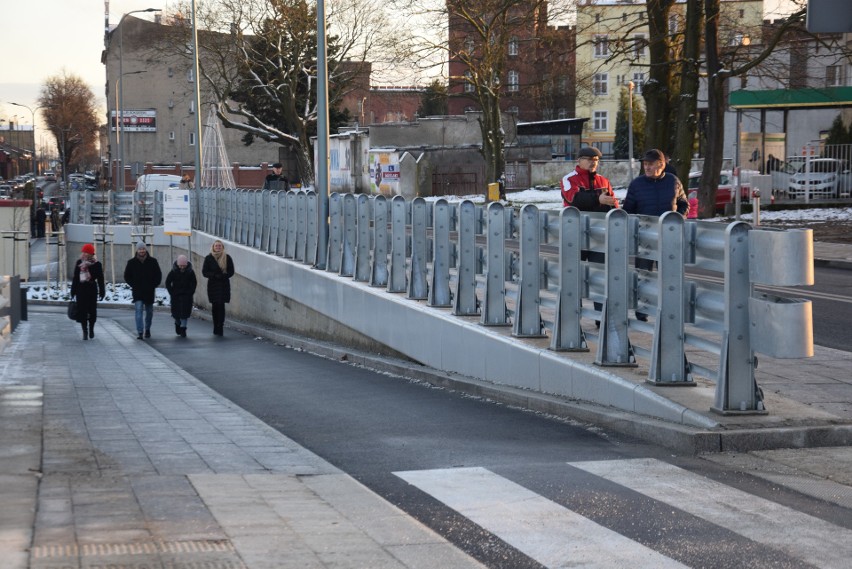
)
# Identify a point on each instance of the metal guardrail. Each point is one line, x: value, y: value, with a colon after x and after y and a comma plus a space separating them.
x: 523, y: 269
x: 116, y: 208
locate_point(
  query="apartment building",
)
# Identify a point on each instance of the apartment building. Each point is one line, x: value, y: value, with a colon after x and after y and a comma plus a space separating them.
x: 537, y: 82
x: 612, y: 51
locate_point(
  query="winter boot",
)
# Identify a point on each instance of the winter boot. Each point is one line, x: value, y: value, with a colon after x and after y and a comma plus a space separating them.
x: 177, y: 327
x: 85, y: 331
x: 91, y: 329
x: 183, y: 331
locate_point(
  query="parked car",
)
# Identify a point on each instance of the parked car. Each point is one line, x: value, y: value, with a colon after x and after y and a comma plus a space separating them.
x: 821, y: 177
x: 724, y: 192
x: 5, y: 191
x: 50, y: 176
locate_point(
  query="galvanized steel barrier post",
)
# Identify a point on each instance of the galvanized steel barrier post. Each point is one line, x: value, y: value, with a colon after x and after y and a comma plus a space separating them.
x: 439, y: 291
x: 418, y: 284
x: 465, y: 302
x: 335, y: 232
x: 265, y: 203
x: 350, y: 236
x: 362, y: 245
x: 527, y: 320
x: 274, y: 223
x: 301, y: 226
x: 614, y: 347
x: 379, y: 268
x: 494, y: 312
x: 668, y: 358
x: 292, y: 225
x: 736, y: 388
x: 399, y: 243
x: 311, y: 228
x: 567, y: 333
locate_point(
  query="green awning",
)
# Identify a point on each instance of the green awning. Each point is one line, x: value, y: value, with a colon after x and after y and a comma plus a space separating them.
x: 791, y: 98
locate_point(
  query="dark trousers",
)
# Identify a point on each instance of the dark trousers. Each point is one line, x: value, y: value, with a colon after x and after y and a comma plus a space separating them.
x: 645, y: 265
x: 594, y: 257
x: 218, y: 310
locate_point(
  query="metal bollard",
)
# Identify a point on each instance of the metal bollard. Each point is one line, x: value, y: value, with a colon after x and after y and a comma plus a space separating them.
x: 755, y: 200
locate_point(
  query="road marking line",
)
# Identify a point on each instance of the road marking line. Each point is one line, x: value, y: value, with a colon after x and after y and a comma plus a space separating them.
x: 549, y: 533
x: 795, y: 533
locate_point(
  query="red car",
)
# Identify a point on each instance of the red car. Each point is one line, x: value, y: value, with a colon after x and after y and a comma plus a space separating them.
x: 724, y: 192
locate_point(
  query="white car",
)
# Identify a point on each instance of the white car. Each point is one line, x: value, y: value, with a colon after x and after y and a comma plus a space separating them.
x: 821, y: 177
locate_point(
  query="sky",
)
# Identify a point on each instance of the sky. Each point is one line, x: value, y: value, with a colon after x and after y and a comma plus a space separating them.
x: 49, y: 36
x: 45, y: 37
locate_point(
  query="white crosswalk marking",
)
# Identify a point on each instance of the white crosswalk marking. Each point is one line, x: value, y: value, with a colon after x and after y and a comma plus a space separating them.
x: 798, y: 535
x: 543, y: 530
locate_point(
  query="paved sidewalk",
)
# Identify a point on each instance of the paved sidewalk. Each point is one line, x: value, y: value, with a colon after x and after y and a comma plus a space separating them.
x: 112, y: 456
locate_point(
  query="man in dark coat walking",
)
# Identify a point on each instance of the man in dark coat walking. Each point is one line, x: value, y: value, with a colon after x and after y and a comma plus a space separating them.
x: 181, y: 284
x: 143, y: 275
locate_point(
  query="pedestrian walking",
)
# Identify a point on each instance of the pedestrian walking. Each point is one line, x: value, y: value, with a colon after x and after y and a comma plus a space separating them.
x: 587, y: 190
x: 143, y: 275
x: 87, y: 287
x: 218, y: 269
x: 654, y: 193
x: 277, y: 180
x: 181, y: 284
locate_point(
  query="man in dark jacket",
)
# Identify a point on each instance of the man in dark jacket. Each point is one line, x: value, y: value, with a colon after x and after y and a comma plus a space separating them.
x: 181, y: 284
x: 654, y: 193
x: 276, y: 180
x: 143, y: 275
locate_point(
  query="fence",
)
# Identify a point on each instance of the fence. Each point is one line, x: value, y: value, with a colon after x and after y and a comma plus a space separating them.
x: 523, y: 269
x: 116, y: 208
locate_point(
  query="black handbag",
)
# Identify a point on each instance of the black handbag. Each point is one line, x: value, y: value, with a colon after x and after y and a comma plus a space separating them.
x: 72, y: 310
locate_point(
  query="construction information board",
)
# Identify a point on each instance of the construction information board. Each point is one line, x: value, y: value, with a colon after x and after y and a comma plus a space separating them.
x: 177, y: 218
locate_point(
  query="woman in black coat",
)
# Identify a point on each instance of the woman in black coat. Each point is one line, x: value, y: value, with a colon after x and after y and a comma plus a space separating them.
x: 218, y: 269
x: 181, y: 283
x: 87, y: 287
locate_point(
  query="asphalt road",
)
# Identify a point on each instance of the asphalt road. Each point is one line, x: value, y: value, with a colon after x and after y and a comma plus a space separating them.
x: 402, y: 439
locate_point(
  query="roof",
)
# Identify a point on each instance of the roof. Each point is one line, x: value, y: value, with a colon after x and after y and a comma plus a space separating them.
x: 791, y: 98
x: 558, y: 126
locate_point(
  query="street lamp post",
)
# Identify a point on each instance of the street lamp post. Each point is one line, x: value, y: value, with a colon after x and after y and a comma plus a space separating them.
x: 120, y: 117
x: 35, y: 160
x: 630, y: 86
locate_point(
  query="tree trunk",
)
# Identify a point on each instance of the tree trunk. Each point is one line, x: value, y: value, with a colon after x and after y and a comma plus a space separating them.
x: 687, y: 107
x: 715, y: 113
x: 656, y: 90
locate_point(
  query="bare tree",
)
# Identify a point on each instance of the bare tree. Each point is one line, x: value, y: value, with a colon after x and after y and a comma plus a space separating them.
x: 69, y: 110
x: 477, y: 34
x: 258, y: 60
x: 725, y: 60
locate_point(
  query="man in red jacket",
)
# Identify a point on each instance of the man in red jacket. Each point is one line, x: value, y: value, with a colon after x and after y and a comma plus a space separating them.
x: 586, y: 190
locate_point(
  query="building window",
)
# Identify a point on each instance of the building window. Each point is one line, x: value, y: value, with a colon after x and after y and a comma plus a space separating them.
x: 513, y: 46
x: 514, y: 77
x: 192, y: 107
x: 192, y: 139
x: 469, y: 45
x: 468, y: 83
x: 600, y: 121
x: 190, y: 75
x: 833, y: 76
x: 600, y: 84
x: 639, y: 44
x: 638, y: 82
x: 563, y: 85
x: 673, y: 24
x: 601, y: 46
x: 171, y: 72
x: 171, y: 135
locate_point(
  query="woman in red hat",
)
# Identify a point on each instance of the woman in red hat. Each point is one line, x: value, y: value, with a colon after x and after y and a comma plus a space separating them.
x: 87, y: 287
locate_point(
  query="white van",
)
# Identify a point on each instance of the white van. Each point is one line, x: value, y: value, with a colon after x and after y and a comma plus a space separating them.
x: 154, y: 182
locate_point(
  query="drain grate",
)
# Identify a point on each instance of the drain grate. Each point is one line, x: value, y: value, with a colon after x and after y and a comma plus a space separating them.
x: 202, y: 547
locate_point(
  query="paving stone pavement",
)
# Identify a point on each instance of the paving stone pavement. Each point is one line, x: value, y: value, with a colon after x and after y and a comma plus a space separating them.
x: 112, y: 456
